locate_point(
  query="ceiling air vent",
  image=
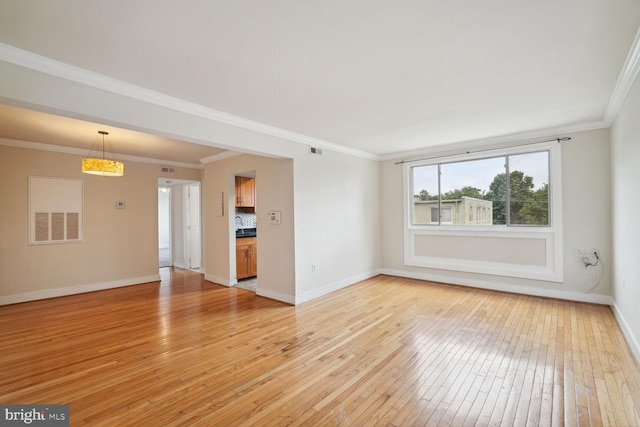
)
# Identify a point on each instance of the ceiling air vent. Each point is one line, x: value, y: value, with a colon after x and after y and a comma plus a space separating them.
x: 316, y: 151
x: 167, y: 169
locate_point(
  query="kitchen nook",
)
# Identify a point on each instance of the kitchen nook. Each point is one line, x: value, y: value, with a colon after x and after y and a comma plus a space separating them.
x: 246, y: 232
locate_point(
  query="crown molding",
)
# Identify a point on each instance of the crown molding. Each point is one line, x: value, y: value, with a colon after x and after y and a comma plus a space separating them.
x: 80, y: 152
x: 627, y: 76
x: 52, y: 67
x: 220, y: 156
x: 498, y: 141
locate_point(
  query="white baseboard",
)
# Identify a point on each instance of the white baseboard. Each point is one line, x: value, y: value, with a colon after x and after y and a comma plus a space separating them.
x: 332, y: 287
x: 259, y: 291
x: 278, y: 296
x: 219, y: 280
x: 504, y: 287
x: 626, y: 330
x: 91, y: 287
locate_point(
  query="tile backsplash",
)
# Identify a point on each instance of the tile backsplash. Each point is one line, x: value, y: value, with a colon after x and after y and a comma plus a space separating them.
x: 245, y: 220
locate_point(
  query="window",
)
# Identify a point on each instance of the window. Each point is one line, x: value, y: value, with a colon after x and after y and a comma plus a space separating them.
x: 444, y: 218
x: 480, y: 185
x: 495, y: 214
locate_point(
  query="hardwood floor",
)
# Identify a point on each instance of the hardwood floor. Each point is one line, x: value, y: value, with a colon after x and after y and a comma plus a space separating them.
x: 387, y: 351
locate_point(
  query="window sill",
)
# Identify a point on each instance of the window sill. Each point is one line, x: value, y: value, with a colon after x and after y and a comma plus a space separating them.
x: 474, y: 229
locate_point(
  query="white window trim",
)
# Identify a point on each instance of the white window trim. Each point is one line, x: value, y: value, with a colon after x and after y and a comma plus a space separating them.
x: 552, y: 234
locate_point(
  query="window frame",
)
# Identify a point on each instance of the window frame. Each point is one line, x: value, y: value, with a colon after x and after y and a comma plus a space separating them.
x: 551, y: 234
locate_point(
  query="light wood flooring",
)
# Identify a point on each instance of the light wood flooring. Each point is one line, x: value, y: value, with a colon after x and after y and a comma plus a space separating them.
x: 384, y: 352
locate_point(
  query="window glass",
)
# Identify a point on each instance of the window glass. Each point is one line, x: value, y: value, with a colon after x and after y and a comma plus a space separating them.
x: 529, y: 188
x: 474, y: 192
x: 425, y: 194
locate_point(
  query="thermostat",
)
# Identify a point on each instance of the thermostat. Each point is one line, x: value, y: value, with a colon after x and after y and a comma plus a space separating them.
x: 274, y: 217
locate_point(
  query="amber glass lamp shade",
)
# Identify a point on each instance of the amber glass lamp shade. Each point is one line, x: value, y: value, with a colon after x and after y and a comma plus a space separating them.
x: 101, y: 165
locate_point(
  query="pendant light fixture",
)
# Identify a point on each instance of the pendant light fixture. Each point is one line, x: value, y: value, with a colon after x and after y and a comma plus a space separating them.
x: 102, y: 166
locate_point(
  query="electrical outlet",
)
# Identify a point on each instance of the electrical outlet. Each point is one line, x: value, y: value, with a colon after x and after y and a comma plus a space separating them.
x: 590, y: 257
x: 314, y: 267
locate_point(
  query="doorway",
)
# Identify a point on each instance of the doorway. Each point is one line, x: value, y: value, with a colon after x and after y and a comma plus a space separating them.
x: 246, y: 232
x: 164, y: 226
x: 179, y: 224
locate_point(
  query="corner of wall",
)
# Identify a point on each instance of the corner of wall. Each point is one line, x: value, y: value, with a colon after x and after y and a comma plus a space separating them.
x: 627, y: 331
x: 332, y: 287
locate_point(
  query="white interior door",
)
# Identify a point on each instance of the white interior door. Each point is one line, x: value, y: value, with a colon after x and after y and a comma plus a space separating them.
x: 164, y: 227
x: 194, y: 228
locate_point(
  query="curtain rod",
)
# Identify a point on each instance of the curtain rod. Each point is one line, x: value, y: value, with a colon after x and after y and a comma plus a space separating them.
x: 565, y: 138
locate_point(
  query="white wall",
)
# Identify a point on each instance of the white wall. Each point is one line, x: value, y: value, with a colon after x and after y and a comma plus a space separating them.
x: 337, y: 204
x: 330, y: 218
x: 625, y: 161
x: 276, y: 250
x: 586, y: 219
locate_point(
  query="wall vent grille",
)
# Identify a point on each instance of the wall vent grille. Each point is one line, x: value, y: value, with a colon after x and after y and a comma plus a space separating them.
x: 315, y: 151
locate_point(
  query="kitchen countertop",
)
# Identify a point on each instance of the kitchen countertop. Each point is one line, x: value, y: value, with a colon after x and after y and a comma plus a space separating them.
x: 245, y: 232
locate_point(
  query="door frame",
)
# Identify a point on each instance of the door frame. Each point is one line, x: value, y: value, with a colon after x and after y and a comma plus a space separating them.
x: 178, y: 222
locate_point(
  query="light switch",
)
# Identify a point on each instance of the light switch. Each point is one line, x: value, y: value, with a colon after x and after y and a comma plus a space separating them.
x: 274, y: 217
x: 220, y: 202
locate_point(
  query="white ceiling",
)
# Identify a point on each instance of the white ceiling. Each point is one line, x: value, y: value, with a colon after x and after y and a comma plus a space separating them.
x: 378, y: 76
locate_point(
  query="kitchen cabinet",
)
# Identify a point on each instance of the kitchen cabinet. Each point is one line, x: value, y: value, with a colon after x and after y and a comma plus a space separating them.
x: 245, y: 192
x: 246, y: 257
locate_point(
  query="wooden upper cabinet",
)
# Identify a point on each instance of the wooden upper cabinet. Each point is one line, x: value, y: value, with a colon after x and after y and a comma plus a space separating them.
x: 245, y: 192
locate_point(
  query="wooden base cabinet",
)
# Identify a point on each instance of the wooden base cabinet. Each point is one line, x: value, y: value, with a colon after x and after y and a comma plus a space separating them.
x: 246, y: 257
